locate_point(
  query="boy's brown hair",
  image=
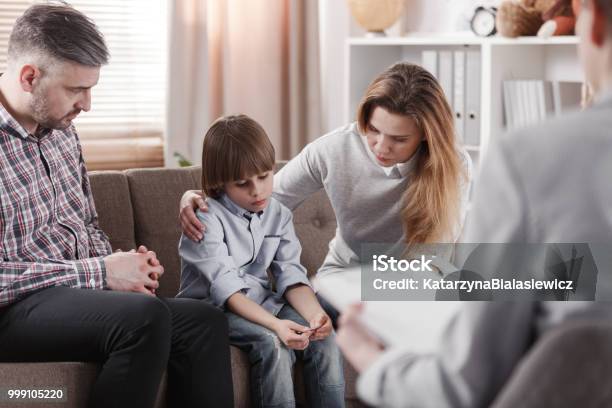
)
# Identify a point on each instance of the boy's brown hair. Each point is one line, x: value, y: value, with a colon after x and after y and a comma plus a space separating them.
x: 235, y: 147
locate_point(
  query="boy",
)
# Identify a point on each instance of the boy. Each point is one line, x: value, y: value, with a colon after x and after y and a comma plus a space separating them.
x: 248, y: 232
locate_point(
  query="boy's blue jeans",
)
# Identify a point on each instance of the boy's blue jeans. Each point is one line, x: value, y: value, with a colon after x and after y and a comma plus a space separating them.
x: 272, y: 362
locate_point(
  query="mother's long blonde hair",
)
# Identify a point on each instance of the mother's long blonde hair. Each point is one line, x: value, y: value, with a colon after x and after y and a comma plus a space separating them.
x: 432, y: 200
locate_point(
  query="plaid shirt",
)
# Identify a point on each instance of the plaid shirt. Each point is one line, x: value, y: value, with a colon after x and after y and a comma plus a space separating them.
x: 48, y: 222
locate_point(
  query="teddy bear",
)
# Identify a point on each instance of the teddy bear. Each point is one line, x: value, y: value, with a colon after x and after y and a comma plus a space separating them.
x: 536, y: 17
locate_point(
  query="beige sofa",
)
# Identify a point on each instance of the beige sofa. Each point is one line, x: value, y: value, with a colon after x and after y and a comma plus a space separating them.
x: 569, y: 367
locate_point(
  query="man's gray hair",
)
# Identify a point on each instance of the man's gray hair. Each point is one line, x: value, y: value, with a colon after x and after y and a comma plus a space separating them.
x: 58, y: 31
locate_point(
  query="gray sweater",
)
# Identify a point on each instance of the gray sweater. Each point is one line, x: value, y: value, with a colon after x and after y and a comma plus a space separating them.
x: 366, y: 200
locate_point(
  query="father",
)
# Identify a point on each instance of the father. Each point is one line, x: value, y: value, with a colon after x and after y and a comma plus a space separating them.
x: 55, y: 261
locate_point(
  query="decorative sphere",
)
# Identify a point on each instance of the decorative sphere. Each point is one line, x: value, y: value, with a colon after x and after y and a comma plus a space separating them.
x: 376, y: 15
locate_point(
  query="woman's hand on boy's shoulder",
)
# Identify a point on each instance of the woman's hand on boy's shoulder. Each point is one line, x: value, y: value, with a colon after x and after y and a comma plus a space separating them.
x: 190, y: 224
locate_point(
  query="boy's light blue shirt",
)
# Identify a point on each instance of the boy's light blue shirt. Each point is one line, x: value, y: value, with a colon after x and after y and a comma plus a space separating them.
x: 237, y: 249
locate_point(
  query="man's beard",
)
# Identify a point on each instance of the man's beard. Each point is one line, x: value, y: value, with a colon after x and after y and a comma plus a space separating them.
x: 39, y: 107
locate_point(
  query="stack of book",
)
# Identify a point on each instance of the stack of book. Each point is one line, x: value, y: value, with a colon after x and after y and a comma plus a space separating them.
x: 527, y: 102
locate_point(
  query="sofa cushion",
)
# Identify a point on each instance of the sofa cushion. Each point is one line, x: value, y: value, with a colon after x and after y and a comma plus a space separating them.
x: 155, y: 195
x: 240, y: 378
x: 75, y: 380
x: 112, y: 199
x: 315, y: 226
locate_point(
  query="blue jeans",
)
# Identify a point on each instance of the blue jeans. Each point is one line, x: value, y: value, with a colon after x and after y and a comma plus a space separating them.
x: 272, y: 363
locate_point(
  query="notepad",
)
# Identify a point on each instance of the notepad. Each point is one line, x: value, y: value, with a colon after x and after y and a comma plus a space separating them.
x: 415, y: 325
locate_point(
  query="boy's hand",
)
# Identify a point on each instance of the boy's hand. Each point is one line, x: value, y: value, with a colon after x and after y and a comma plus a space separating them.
x: 320, y: 326
x: 287, y: 331
x: 190, y: 224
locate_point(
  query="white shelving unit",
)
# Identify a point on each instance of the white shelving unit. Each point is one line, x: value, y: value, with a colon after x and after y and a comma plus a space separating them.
x: 553, y: 59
